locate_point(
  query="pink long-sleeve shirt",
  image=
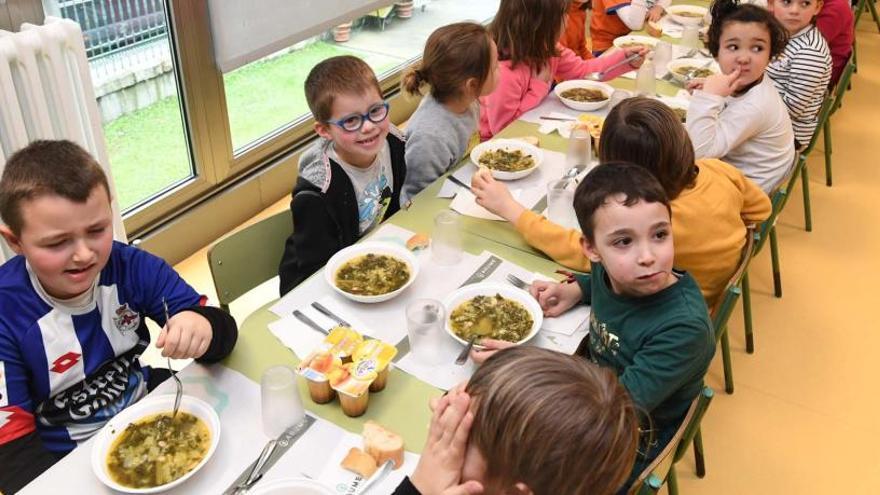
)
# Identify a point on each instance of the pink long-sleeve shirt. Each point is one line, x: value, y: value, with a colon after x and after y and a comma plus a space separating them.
x: 519, y: 91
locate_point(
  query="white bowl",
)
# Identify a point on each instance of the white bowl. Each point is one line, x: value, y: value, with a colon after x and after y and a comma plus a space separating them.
x: 374, y: 247
x: 583, y: 106
x: 291, y: 486
x: 678, y: 63
x: 508, y: 145
x: 676, y: 103
x: 147, y: 407
x: 675, y: 12
x: 619, y: 42
x: 490, y: 289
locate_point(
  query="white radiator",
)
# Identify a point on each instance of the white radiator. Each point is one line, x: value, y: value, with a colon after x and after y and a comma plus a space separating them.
x: 46, y: 93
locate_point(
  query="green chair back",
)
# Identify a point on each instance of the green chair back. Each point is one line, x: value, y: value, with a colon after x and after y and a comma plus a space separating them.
x: 663, y: 466
x: 843, y: 83
x: 824, y: 113
x: 724, y: 309
x: 249, y: 257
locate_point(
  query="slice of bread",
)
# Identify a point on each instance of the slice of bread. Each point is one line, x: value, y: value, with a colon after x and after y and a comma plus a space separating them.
x: 382, y: 444
x: 654, y: 29
x: 359, y: 462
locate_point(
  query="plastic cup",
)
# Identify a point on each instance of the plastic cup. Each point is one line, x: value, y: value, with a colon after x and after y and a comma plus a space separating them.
x: 579, y: 148
x: 425, y: 319
x: 690, y: 38
x: 560, y: 202
x: 281, y: 406
x: 446, y: 239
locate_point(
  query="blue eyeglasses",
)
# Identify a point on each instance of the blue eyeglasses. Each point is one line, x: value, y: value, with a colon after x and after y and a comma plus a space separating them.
x: 353, y: 123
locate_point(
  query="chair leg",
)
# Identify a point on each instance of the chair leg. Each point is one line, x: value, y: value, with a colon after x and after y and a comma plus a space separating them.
x: 826, y: 132
x: 808, y: 215
x: 699, y: 459
x: 728, y: 363
x: 874, y: 14
x: 774, y: 261
x: 672, y: 481
x: 747, y: 314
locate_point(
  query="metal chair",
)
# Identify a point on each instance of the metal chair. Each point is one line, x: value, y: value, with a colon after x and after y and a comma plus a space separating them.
x: 247, y: 258
x: 662, y: 469
x: 839, y: 91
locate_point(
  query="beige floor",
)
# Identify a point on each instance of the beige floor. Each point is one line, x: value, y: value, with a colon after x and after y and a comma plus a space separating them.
x: 803, y: 418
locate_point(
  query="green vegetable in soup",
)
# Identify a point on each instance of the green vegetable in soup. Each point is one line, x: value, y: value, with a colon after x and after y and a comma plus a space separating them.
x: 507, y: 161
x: 494, y: 317
x: 372, y: 275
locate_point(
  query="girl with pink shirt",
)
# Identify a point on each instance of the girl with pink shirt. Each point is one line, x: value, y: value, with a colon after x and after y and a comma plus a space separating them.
x: 530, y: 57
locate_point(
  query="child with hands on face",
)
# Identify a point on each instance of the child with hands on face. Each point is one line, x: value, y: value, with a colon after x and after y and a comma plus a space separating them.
x: 493, y: 435
x: 72, y: 311
x: 738, y: 115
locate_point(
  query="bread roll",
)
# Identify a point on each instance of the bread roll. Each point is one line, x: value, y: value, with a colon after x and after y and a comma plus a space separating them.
x: 654, y: 29
x: 358, y: 462
x: 382, y: 444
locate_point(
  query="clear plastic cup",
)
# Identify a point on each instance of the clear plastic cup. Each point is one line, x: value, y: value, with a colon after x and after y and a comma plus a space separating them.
x: 425, y: 319
x: 446, y: 239
x: 579, y: 148
x: 281, y: 405
x: 560, y: 202
x: 690, y: 38
x: 662, y: 57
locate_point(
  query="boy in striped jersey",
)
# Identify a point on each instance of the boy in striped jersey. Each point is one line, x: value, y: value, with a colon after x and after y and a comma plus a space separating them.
x: 803, y: 70
x: 72, y: 308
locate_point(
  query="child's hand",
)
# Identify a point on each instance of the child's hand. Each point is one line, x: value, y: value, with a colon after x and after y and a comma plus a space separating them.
x: 723, y: 84
x: 556, y: 298
x: 655, y: 13
x: 185, y: 335
x: 640, y: 50
x: 439, y: 468
x: 495, y: 197
x: 490, y: 347
x: 543, y: 74
x: 695, y: 84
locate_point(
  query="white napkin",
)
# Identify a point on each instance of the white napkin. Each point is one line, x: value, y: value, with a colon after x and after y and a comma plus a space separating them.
x: 671, y: 28
x: 466, y: 203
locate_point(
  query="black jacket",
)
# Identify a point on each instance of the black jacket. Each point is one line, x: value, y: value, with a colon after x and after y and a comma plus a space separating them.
x: 325, y: 221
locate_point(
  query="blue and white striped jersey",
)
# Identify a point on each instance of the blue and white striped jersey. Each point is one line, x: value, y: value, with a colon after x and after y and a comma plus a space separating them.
x: 66, y: 371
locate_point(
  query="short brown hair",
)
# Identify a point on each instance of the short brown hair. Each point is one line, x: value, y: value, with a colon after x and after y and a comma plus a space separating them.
x: 555, y: 422
x: 61, y: 168
x: 633, y: 181
x: 345, y: 74
x: 527, y: 31
x: 453, y: 54
x: 646, y: 132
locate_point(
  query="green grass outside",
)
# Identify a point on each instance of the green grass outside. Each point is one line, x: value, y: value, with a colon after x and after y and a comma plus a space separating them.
x: 147, y: 148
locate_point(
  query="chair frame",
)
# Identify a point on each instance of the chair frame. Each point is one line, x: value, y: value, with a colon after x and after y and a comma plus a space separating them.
x: 837, y: 95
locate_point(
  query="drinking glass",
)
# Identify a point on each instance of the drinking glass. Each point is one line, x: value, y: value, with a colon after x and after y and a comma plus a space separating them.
x: 281, y: 405
x: 662, y: 57
x: 690, y: 38
x: 425, y: 319
x: 560, y: 202
x: 446, y: 238
x: 579, y: 148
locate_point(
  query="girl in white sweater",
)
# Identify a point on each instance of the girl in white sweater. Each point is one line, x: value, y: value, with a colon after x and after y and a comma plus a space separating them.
x: 738, y: 116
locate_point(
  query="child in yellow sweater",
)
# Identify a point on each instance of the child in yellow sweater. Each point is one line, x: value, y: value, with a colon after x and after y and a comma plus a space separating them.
x: 712, y: 202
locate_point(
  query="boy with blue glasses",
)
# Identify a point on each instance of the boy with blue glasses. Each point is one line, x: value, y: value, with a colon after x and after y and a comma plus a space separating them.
x: 350, y: 180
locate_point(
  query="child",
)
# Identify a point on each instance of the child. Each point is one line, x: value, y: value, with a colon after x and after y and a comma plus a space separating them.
x: 531, y: 421
x: 648, y: 322
x: 738, y: 115
x: 614, y: 18
x: 712, y: 202
x: 803, y: 71
x: 527, y: 34
x: 835, y: 22
x: 574, y: 35
x: 459, y: 65
x: 72, y: 309
x: 350, y: 180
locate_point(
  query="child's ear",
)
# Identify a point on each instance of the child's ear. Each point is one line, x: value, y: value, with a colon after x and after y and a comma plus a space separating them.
x: 472, y: 87
x: 522, y: 489
x: 589, y: 249
x: 11, y: 239
x: 323, y: 130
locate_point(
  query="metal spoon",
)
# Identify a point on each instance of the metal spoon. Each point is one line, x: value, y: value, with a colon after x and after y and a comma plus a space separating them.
x: 598, y: 76
x: 179, y: 394
x: 463, y: 357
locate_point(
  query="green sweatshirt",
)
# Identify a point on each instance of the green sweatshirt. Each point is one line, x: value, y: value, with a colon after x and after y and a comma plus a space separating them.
x: 660, y: 345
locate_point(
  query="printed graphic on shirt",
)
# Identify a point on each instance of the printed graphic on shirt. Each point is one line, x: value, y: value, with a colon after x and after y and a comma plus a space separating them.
x: 126, y: 320
x: 65, y: 362
x: 15, y: 422
x: 4, y: 399
x: 375, y: 200
x: 603, y: 341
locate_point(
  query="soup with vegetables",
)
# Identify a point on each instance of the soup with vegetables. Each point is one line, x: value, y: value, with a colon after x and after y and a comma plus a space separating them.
x: 494, y: 317
x: 584, y: 95
x: 697, y: 71
x: 507, y: 161
x: 372, y: 275
x: 157, y: 450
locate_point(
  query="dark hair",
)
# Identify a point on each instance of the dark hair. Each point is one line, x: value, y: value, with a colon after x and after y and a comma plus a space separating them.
x: 727, y: 11
x: 527, y: 31
x: 345, y: 74
x: 646, y: 132
x: 586, y: 445
x: 61, y: 168
x: 453, y: 54
x: 610, y: 179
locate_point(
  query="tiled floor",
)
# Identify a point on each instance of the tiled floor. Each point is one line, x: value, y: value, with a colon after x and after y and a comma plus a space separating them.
x: 802, y: 419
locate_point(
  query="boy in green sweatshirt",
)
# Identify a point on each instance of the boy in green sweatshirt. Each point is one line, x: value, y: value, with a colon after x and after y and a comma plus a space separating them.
x: 649, y: 322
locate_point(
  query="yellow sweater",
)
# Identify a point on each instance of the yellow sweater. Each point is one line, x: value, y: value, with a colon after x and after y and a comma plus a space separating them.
x: 708, y: 227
